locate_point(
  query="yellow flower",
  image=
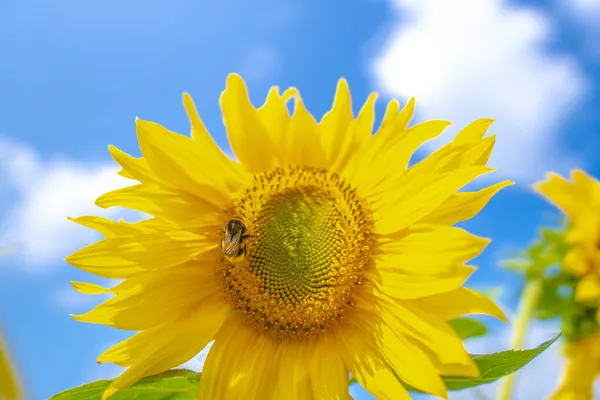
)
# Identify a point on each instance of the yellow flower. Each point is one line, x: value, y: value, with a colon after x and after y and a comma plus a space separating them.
x: 581, y: 369
x: 9, y: 384
x: 318, y: 254
x: 580, y: 201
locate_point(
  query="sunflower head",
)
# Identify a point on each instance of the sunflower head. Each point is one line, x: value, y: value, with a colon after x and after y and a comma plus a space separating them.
x: 579, y: 200
x: 314, y: 254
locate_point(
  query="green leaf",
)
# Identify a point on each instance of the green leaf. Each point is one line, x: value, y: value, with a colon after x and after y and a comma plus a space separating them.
x: 494, y: 366
x: 468, y: 327
x: 498, y: 365
x: 177, y: 384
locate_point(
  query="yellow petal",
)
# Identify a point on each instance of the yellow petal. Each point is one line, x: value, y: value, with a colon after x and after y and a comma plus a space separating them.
x: 134, y: 168
x: 391, y: 111
x: 414, y: 138
x: 124, y: 256
x: 335, y: 123
x: 258, y: 367
x: 464, y: 206
x: 293, y: 374
x: 105, y: 227
x: 411, y: 200
x: 358, y: 136
x: 433, y: 335
x: 248, y: 137
x: 393, y: 127
x: 181, y: 161
x: 366, y: 118
x: 576, y: 261
x: 459, y: 302
x: 275, y: 118
x: 473, y: 132
x: 405, y: 115
x: 365, y: 362
x: 380, y: 382
x: 89, y: 288
x: 232, y: 173
x: 426, y: 247
x: 562, y: 193
x: 159, y: 296
x: 172, y: 345
x: 10, y: 387
x: 124, y: 352
x: 400, y: 353
x: 476, y: 154
x: 426, y: 260
x: 223, y: 375
x: 326, y: 369
x: 393, y: 147
x: 302, y: 143
x: 577, y: 382
x: 586, y: 184
x: 409, y: 285
x: 169, y: 204
x: 588, y: 288
x: 111, y: 229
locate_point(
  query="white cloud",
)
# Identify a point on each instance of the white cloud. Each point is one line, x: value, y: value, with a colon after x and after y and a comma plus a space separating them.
x: 46, y: 193
x: 465, y: 60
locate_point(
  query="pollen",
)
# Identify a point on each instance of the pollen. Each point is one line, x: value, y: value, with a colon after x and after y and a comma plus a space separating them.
x: 311, y: 239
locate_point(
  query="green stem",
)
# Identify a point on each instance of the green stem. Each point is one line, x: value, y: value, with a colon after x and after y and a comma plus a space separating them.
x: 529, y: 299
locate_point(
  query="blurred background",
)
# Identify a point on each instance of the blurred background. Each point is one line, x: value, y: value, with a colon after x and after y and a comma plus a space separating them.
x: 74, y: 75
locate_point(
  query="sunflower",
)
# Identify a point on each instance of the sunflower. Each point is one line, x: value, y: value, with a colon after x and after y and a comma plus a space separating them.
x: 580, y: 201
x: 582, y: 368
x: 9, y: 384
x: 318, y: 253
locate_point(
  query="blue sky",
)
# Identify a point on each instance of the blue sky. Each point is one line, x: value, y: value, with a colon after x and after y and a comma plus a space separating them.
x: 74, y: 75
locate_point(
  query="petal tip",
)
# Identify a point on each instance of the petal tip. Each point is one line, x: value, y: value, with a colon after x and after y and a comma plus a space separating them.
x: 234, y: 79
x: 188, y: 103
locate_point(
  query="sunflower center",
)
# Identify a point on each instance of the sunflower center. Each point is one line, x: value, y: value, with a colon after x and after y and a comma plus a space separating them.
x: 309, y: 238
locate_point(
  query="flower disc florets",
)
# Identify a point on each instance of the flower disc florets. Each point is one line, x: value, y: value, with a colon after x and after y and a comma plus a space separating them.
x: 311, y: 238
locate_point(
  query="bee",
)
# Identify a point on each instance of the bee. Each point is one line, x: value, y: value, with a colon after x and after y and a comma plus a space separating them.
x: 233, y: 246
